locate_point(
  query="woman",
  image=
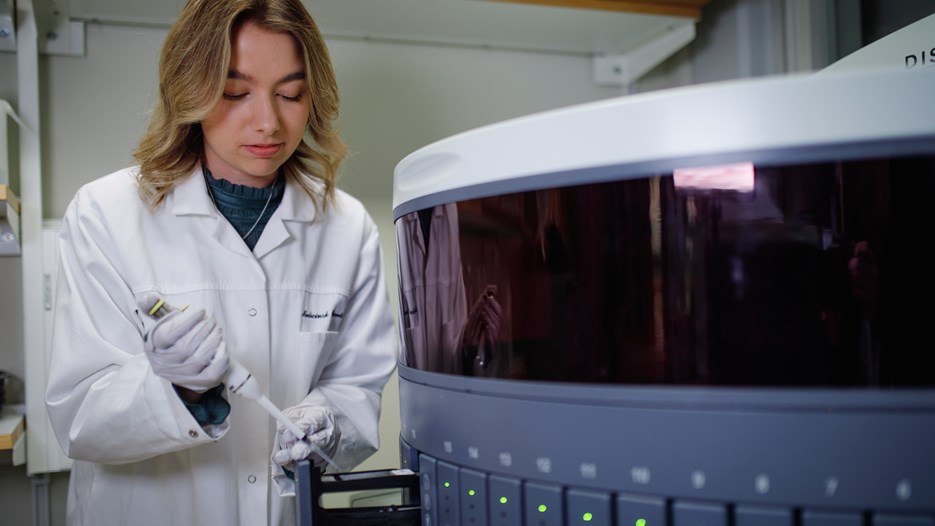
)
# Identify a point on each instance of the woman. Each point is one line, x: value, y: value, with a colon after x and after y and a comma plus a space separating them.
x: 232, y: 211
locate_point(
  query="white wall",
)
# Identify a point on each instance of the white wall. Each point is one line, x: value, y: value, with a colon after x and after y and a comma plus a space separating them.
x: 395, y: 99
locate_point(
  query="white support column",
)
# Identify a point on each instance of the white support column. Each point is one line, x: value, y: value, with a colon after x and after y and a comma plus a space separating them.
x: 30, y: 179
x: 810, y: 34
x: 760, y: 38
x: 30, y: 176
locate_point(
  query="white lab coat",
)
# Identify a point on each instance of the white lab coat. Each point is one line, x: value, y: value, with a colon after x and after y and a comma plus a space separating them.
x: 306, y: 312
x: 433, y: 302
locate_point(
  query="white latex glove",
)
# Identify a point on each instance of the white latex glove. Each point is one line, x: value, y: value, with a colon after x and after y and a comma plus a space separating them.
x: 320, y: 429
x: 185, y: 348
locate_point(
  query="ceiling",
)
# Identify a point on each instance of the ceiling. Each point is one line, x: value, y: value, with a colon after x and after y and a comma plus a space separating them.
x: 583, y: 27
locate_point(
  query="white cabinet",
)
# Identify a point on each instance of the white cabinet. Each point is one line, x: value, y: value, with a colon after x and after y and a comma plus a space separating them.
x: 45, y: 454
x: 55, y: 459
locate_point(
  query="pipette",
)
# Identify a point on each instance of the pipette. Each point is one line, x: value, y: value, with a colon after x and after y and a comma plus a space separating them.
x: 242, y: 383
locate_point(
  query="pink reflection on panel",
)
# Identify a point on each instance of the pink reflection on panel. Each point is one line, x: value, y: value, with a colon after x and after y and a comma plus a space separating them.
x: 737, y: 177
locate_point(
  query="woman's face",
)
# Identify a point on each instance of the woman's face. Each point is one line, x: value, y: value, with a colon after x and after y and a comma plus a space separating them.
x: 261, y: 118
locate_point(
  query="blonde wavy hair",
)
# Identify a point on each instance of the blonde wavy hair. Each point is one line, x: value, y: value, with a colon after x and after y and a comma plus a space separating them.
x: 192, y: 71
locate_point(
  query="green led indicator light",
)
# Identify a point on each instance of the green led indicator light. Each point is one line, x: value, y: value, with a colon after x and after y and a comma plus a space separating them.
x: 587, y: 517
x: 640, y: 522
x: 471, y: 492
x: 502, y: 500
x: 448, y: 484
x: 542, y: 508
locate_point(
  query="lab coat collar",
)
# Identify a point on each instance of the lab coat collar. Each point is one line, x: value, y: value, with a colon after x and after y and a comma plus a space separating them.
x: 294, y: 207
x: 191, y: 197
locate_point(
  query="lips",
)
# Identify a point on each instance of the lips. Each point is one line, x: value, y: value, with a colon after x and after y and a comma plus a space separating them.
x: 263, y: 150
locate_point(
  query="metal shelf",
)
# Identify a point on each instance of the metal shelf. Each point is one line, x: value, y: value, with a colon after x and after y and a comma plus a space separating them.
x: 9, y: 222
x: 12, y: 436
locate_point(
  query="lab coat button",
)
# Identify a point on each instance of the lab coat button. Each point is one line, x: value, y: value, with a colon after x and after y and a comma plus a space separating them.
x: 252, y: 312
x: 192, y: 433
x: 251, y: 479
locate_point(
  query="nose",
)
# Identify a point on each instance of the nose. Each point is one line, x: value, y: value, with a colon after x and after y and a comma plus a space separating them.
x: 265, y: 114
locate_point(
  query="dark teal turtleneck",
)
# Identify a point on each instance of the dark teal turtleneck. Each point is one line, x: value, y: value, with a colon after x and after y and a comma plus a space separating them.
x: 243, y: 205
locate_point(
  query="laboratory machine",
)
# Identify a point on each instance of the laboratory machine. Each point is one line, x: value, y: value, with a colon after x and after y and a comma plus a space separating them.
x: 703, y: 306
x: 707, y: 306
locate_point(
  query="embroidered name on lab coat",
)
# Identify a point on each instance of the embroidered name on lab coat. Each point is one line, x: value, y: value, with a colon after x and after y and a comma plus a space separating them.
x: 313, y: 315
x: 326, y: 320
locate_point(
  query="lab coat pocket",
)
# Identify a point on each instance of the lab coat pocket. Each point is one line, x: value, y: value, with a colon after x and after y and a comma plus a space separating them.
x: 413, y: 340
x: 323, y: 312
x: 411, y: 313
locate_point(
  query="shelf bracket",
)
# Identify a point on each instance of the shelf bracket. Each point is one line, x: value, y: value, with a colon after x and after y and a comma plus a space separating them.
x: 9, y: 202
x: 625, y: 69
x: 57, y: 33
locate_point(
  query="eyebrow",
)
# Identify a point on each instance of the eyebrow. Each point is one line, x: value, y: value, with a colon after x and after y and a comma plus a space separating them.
x: 237, y: 75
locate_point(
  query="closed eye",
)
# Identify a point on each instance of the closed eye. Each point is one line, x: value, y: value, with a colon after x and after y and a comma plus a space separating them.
x: 234, y: 96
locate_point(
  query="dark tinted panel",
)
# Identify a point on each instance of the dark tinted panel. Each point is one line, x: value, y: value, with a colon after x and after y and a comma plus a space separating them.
x: 811, y: 275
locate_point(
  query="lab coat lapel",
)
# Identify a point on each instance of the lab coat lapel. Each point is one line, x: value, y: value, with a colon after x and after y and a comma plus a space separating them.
x: 295, y: 207
x: 191, y: 197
